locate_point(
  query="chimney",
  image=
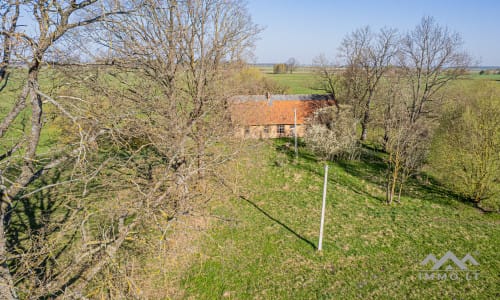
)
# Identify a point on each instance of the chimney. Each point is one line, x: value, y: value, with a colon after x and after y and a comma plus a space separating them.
x: 269, y: 101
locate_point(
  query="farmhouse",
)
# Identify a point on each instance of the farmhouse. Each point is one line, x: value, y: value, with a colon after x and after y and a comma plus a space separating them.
x: 272, y: 116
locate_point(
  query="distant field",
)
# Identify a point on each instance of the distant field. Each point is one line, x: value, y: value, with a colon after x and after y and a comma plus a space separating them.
x: 304, y: 81
x: 495, y: 77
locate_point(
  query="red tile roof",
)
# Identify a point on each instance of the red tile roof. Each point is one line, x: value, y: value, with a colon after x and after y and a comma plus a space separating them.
x: 258, y: 110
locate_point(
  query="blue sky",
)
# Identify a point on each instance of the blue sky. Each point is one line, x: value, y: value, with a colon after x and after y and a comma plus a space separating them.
x: 307, y: 28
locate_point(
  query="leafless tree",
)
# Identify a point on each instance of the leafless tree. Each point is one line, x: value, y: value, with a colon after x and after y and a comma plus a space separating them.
x: 162, y: 98
x: 431, y: 56
x: 405, y: 142
x: 153, y: 102
x: 367, y: 57
x: 292, y: 64
x: 406, y: 145
x: 22, y: 164
x: 329, y: 77
x: 183, y: 50
x: 9, y: 12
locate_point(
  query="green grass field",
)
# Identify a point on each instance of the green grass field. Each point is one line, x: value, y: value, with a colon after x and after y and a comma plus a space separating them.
x: 298, y: 83
x: 476, y: 76
x: 50, y: 134
x: 303, y: 80
x: 266, y: 246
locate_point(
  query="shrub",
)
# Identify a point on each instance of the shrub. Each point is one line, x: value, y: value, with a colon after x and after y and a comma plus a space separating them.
x: 332, y: 134
x: 252, y: 81
x: 466, y: 150
x: 280, y: 69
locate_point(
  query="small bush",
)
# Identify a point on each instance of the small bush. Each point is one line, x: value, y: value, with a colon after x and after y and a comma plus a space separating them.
x: 252, y: 81
x: 280, y: 69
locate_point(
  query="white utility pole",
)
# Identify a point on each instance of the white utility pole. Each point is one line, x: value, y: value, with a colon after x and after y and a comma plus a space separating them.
x: 295, y: 132
x: 320, y: 243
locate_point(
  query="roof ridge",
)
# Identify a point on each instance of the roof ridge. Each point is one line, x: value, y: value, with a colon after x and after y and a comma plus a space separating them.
x: 273, y: 97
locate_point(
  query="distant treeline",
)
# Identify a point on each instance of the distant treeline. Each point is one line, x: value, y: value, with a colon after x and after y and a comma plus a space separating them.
x: 490, y: 72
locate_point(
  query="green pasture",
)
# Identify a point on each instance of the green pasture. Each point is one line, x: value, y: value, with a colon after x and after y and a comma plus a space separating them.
x: 264, y: 244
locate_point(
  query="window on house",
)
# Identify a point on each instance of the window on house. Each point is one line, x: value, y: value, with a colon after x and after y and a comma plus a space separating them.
x: 266, y: 129
x: 281, y: 129
x: 247, y: 130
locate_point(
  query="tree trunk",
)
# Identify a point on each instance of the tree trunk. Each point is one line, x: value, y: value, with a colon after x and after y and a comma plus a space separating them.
x: 366, y: 119
x: 393, y: 185
x: 388, y: 195
x: 392, y: 178
x: 7, y: 290
x: 199, y: 158
x: 6, y: 283
x: 386, y: 138
x: 364, y: 129
x: 400, y: 191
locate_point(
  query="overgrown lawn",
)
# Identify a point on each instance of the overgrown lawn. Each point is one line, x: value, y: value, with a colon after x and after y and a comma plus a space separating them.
x: 264, y: 245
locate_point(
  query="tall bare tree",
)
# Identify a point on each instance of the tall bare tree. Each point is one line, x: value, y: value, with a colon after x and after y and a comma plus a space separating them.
x: 186, y: 51
x: 367, y: 57
x: 50, y: 22
x: 159, y: 101
x: 163, y: 100
x: 431, y: 56
x: 406, y: 142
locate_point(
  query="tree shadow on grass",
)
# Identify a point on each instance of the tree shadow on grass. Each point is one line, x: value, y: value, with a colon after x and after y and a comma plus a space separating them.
x: 35, y: 219
x: 286, y: 145
x: 372, y: 168
x: 279, y: 222
x: 369, y: 167
x: 428, y: 188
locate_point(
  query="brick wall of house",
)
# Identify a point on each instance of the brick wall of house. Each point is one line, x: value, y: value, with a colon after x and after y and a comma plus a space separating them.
x: 269, y: 131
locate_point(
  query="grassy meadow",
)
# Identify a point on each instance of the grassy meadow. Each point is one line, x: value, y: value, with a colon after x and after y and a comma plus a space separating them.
x: 304, y: 81
x: 265, y: 247
x: 51, y: 134
x: 301, y: 81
